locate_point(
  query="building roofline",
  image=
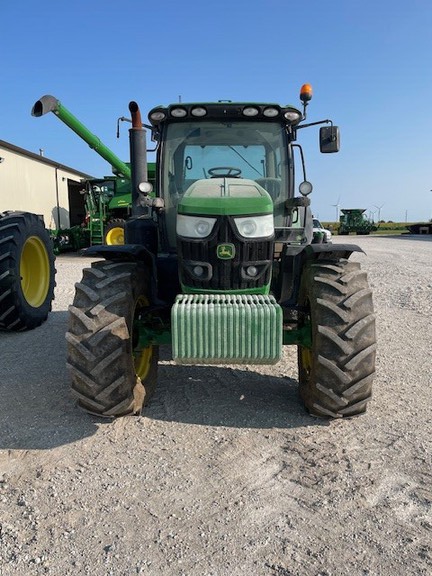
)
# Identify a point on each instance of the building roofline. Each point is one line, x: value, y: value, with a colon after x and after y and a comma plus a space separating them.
x: 42, y: 159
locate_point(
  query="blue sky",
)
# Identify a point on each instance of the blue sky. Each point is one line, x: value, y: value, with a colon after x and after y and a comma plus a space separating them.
x: 369, y: 62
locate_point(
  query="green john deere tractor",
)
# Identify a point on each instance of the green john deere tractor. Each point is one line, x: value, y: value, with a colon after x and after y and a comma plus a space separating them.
x: 220, y: 264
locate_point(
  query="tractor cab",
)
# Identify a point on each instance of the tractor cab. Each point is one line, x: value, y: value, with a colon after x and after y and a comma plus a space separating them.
x: 243, y: 149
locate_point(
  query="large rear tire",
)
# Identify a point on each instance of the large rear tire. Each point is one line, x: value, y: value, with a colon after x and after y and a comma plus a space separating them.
x: 27, y: 273
x: 336, y: 373
x: 111, y: 375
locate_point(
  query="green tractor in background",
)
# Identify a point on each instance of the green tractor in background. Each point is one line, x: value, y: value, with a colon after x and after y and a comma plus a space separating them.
x: 108, y: 205
x: 106, y: 210
x: 107, y: 200
x: 220, y: 264
x: 355, y: 220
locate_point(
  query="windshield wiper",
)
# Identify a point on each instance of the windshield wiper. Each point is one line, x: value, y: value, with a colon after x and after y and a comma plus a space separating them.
x: 244, y: 160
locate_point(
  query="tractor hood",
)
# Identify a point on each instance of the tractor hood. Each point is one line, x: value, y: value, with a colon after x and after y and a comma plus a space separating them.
x: 225, y: 197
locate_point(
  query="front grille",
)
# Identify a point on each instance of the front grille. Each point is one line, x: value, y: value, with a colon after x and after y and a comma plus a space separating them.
x: 225, y: 274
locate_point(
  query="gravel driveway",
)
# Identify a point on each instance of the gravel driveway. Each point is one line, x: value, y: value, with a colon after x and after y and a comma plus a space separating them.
x: 224, y: 474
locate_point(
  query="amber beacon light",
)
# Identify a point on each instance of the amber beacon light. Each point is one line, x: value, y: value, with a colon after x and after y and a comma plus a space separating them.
x: 306, y: 93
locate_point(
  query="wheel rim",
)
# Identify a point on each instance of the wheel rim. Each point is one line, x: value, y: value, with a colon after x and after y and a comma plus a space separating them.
x: 142, y: 356
x: 306, y: 360
x: 34, y: 271
x: 306, y: 356
x: 115, y: 236
x: 142, y: 360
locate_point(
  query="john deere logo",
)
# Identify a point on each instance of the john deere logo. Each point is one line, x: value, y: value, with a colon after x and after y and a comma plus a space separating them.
x: 225, y: 251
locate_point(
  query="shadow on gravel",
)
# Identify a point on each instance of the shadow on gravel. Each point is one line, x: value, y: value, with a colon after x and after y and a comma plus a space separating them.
x: 37, y: 411
x: 228, y: 397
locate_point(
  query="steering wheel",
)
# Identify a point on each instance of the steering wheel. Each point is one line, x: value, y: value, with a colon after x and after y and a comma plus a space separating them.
x: 224, y: 172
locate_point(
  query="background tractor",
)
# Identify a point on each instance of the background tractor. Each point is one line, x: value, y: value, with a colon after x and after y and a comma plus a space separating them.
x: 107, y: 200
x: 27, y: 274
x: 355, y: 220
x: 220, y: 263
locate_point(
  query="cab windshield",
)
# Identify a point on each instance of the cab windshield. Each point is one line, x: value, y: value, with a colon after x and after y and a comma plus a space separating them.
x: 200, y: 150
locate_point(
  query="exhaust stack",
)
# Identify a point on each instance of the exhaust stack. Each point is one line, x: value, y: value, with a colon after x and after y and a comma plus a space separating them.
x: 138, y: 157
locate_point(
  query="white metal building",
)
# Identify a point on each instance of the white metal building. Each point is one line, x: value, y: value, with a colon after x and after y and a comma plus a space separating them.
x: 32, y: 183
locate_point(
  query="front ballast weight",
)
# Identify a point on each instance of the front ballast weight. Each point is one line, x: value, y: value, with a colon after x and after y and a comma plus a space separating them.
x: 226, y: 329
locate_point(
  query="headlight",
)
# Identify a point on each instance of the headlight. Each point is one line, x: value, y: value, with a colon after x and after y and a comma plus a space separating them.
x: 178, y: 112
x: 145, y: 187
x: 305, y: 188
x: 292, y: 115
x: 255, y: 226
x: 271, y: 112
x: 250, y: 111
x: 194, y: 226
x: 198, y: 111
x: 157, y: 115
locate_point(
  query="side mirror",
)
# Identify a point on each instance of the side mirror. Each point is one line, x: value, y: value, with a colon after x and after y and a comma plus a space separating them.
x: 329, y: 139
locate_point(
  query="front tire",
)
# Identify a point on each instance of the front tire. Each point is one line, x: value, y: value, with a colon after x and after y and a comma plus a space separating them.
x: 336, y: 373
x: 27, y: 273
x: 111, y: 375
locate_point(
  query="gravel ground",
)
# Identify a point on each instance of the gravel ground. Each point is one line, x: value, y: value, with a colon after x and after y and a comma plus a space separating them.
x: 224, y: 474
